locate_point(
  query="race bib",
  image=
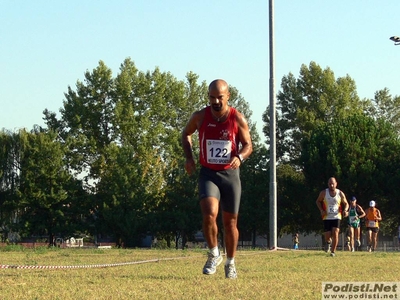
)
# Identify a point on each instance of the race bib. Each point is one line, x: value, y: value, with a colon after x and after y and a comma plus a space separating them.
x: 371, y: 223
x: 218, y: 151
x: 333, y: 209
x: 353, y: 219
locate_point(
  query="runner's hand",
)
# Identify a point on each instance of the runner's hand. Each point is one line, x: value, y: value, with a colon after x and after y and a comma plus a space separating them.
x: 190, y: 166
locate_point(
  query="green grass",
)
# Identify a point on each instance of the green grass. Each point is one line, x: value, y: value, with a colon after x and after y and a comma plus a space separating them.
x: 171, y: 274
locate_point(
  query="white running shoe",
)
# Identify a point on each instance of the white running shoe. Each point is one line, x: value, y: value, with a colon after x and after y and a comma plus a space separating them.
x: 328, y: 247
x: 211, y: 264
x: 230, y: 271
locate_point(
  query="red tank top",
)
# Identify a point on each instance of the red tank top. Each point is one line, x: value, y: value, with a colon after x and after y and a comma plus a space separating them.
x: 218, y: 141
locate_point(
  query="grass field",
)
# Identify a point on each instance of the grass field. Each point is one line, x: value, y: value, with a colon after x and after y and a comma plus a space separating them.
x: 172, y: 274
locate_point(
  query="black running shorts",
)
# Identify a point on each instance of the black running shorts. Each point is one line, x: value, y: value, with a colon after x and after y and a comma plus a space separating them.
x: 224, y: 185
x: 330, y: 224
x: 373, y: 229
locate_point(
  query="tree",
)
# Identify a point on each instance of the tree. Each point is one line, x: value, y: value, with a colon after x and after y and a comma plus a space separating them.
x: 10, y: 149
x: 303, y: 104
x: 384, y: 107
x: 123, y: 136
x: 86, y: 125
x: 296, y: 208
x: 323, y: 130
x: 254, y: 207
x: 362, y: 153
x: 125, y: 197
x: 42, y: 194
x: 123, y: 139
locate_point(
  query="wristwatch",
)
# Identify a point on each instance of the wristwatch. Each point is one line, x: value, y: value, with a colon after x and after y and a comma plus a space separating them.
x: 240, y: 156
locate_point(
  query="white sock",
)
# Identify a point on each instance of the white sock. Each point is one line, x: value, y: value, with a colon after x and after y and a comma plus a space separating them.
x: 214, y: 251
x: 230, y: 261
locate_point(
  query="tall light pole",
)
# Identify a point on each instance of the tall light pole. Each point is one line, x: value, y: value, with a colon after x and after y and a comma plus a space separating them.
x: 273, y: 224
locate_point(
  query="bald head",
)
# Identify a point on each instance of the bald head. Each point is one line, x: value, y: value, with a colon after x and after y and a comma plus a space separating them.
x: 332, y: 183
x: 219, y: 85
x: 218, y: 95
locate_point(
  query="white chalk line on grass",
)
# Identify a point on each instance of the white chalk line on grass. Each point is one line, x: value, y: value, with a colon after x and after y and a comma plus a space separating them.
x: 113, y: 264
x: 92, y: 266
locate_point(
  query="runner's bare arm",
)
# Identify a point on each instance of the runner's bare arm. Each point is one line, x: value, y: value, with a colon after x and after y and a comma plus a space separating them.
x: 360, y: 209
x: 319, y: 202
x: 190, y: 128
x: 378, y: 215
x: 345, y: 203
x: 244, y: 136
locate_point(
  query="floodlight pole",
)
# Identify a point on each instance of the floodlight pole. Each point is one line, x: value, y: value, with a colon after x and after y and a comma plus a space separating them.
x: 272, y: 132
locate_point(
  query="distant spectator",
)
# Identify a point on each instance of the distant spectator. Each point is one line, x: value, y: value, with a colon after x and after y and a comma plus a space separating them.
x: 296, y: 241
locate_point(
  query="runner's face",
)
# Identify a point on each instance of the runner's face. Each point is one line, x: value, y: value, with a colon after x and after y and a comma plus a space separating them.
x: 218, y: 99
x: 353, y: 203
x: 332, y: 184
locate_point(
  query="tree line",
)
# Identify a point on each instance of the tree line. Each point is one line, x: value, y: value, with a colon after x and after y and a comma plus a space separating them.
x: 110, y: 163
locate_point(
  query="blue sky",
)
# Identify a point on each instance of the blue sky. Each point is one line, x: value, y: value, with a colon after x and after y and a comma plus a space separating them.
x: 46, y: 46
